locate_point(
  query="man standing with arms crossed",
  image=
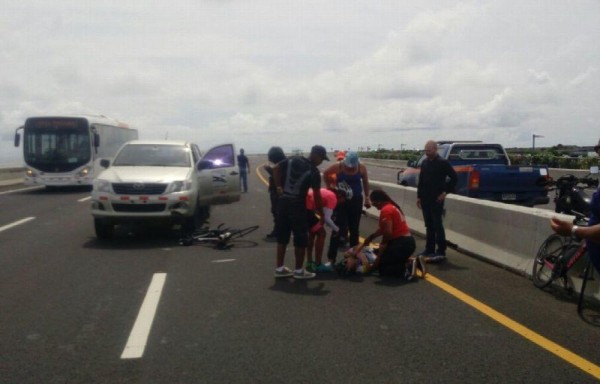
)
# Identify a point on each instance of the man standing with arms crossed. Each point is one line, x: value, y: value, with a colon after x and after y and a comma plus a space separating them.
x: 293, y: 177
x: 436, y: 180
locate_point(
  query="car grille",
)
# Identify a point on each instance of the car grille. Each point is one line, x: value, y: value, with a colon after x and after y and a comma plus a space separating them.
x: 139, y: 188
x: 139, y: 208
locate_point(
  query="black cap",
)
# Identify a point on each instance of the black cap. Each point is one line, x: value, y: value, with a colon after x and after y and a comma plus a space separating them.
x: 321, y: 151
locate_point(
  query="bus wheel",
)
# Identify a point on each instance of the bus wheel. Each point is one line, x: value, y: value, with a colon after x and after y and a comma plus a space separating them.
x: 104, y: 229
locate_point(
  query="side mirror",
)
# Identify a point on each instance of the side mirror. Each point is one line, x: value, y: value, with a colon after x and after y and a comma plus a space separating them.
x: 17, y: 139
x: 96, y: 139
x: 104, y: 163
x: 594, y: 170
x: 204, y: 164
x: 411, y: 163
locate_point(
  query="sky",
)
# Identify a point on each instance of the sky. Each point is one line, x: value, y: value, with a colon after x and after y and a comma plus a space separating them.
x: 345, y: 74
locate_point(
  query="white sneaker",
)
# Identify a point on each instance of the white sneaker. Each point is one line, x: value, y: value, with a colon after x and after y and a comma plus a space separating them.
x: 284, y: 272
x: 303, y: 274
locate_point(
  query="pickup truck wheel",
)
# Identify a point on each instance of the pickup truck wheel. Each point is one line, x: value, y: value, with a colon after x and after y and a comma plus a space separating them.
x: 104, y: 229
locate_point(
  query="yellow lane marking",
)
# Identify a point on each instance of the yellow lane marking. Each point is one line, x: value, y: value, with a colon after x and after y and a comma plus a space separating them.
x: 561, y: 352
x: 258, y: 170
x: 534, y: 337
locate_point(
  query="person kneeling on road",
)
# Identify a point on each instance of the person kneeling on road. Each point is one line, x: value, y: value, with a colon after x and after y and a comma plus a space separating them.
x: 397, y: 243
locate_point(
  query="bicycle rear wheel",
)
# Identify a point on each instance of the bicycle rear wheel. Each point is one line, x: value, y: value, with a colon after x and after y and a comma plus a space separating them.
x: 237, y: 233
x: 547, y: 255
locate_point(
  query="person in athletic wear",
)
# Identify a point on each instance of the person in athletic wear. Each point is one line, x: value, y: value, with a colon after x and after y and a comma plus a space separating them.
x: 591, y: 233
x: 397, y: 243
x: 317, y: 233
x: 354, y: 174
x: 293, y: 177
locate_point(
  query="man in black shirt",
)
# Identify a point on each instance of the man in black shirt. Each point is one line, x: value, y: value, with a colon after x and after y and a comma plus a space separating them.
x: 436, y: 180
x: 293, y: 177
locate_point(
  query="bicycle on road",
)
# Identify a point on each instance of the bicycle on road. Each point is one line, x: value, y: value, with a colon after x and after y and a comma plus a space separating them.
x: 220, y: 238
x: 555, y: 258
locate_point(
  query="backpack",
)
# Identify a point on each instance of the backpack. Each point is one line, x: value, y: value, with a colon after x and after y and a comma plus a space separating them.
x: 299, y: 170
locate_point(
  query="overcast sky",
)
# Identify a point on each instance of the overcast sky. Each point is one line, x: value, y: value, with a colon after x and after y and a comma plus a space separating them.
x: 344, y: 74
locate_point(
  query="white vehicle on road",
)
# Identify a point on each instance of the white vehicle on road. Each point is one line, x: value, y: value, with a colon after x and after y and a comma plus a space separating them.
x: 165, y: 181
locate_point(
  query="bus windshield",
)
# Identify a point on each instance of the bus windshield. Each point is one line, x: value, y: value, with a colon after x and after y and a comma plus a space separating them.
x: 57, y: 144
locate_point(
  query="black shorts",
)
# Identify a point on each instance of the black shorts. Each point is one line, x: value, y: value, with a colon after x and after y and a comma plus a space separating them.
x: 292, y: 218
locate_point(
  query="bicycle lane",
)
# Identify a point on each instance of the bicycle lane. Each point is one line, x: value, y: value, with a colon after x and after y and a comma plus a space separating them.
x: 573, y: 333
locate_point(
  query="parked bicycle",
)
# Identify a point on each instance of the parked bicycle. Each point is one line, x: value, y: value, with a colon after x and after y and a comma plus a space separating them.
x: 220, y: 237
x: 555, y: 258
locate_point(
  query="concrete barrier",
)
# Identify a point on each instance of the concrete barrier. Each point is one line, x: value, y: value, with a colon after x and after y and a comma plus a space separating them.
x: 10, y: 176
x: 505, y: 235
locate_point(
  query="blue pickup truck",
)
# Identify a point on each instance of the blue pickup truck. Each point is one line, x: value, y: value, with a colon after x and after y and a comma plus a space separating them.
x: 484, y: 172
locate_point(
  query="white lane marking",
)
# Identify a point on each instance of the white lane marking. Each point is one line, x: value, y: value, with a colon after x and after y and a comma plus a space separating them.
x: 19, y: 222
x: 19, y: 190
x: 223, y: 261
x: 134, y: 349
x: 84, y: 199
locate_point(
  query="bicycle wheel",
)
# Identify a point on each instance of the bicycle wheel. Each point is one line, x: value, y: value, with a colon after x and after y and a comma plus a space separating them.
x: 543, y: 265
x: 237, y: 233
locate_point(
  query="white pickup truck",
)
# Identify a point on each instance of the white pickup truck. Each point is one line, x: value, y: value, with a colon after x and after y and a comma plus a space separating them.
x: 165, y: 181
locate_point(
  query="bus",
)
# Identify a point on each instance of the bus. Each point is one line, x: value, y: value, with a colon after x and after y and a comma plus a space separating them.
x: 66, y: 150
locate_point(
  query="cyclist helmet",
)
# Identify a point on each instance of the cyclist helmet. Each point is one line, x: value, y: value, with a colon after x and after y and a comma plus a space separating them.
x: 344, y: 190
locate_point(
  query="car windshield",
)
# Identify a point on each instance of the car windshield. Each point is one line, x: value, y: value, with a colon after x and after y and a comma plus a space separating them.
x: 154, y: 155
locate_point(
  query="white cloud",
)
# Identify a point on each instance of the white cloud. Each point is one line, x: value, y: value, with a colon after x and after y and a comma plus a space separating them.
x: 344, y: 74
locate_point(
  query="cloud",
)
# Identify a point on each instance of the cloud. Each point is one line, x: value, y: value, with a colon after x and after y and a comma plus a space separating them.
x: 294, y: 74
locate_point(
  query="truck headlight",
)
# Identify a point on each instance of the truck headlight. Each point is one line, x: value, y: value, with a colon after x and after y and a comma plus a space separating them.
x: 101, y: 185
x: 30, y: 173
x: 180, y: 186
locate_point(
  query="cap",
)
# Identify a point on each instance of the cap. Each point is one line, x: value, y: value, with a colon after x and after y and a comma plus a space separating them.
x: 351, y: 159
x: 320, y: 150
x: 340, y: 155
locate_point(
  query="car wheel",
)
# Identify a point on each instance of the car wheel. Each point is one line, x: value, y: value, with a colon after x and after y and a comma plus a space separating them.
x: 104, y: 229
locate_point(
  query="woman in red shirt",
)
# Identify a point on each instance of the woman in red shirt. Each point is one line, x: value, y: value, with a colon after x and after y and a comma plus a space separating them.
x: 397, y: 244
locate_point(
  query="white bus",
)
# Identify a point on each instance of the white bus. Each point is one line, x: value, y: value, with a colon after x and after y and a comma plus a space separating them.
x: 66, y: 150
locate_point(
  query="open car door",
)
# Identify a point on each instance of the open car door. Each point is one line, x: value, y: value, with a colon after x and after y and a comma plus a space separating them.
x: 218, y: 176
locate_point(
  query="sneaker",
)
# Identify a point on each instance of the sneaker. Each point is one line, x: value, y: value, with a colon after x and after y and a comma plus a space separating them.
x: 437, y: 258
x: 421, y: 265
x: 411, y: 272
x: 324, y: 268
x: 284, y: 272
x: 311, y: 266
x: 303, y: 274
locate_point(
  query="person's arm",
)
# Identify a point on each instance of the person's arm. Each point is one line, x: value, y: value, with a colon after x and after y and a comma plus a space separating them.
x: 278, y: 179
x: 365, y: 181
x: 248, y: 165
x: 566, y: 228
x: 328, y: 212
x: 451, y: 173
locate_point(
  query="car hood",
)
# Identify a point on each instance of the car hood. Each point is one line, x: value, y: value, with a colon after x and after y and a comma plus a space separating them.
x: 145, y: 174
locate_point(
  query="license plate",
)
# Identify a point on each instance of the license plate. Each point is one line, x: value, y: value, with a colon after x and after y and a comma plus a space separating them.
x: 509, y: 196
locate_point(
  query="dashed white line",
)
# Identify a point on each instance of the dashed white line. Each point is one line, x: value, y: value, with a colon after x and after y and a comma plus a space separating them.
x: 223, y: 261
x: 134, y: 349
x: 18, y: 222
x: 84, y: 199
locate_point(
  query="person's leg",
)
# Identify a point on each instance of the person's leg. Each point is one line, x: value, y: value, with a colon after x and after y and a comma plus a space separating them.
x: 244, y: 180
x: 283, y: 229
x: 309, y: 248
x: 354, y: 215
x: 429, y: 229
x: 319, y: 243
x: 438, y: 225
x: 393, y: 260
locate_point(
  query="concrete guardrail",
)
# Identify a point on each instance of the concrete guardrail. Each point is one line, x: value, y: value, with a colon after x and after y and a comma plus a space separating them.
x: 503, y: 234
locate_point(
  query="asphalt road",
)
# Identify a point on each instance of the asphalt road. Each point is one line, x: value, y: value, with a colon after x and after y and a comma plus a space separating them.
x: 70, y: 305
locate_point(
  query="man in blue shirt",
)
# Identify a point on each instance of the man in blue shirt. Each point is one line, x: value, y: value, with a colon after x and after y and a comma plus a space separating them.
x: 591, y: 233
x: 244, y: 166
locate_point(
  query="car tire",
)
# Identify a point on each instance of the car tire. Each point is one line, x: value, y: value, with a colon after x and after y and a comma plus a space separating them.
x: 104, y: 229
